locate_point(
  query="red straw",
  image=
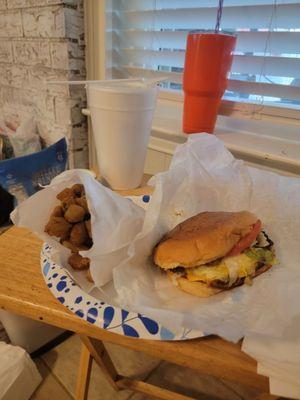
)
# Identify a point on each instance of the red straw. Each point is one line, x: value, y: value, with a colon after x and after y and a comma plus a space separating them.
x: 219, y: 16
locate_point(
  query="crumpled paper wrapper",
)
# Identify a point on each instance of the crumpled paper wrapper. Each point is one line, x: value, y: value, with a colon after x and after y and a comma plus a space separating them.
x: 204, y: 176
x: 115, y: 222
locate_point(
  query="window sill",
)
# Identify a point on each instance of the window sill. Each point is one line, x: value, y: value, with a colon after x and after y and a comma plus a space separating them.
x: 260, y: 143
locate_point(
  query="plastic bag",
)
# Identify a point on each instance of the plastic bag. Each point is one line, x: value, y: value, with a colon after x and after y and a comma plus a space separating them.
x: 23, y: 176
x: 25, y: 140
x: 19, y: 376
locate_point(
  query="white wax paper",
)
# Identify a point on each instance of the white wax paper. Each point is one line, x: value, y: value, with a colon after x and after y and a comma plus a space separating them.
x: 115, y: 222
x: 204, y: 176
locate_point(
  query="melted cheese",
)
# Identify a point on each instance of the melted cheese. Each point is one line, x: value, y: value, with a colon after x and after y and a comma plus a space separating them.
x: 233, y: 265
x: 229, y: 268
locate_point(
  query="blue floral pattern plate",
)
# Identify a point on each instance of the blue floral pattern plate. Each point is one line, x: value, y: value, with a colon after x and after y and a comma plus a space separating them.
x: 98, y: 312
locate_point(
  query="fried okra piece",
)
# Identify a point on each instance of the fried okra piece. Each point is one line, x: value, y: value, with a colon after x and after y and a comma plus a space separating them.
x: 58, y: 226
x: 78, y: 235
x: 57, y: 212
x: 82, y: 202
x: 75, y: 213
x: 78, y: 262
x: 78, y: 189
x: 65, y: 195
x: 88, y: 225
x: 66, y: 204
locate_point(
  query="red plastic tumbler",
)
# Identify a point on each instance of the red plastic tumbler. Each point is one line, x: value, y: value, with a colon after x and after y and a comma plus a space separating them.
x: 208, y: 60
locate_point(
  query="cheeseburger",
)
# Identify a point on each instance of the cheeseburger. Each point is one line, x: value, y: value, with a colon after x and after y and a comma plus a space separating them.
x: 215, y: 251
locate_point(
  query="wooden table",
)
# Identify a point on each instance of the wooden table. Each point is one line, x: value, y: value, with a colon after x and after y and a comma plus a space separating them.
x: 24, y: 292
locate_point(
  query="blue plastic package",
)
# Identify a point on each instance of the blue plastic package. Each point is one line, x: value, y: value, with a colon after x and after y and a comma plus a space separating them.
x: 23, y: 176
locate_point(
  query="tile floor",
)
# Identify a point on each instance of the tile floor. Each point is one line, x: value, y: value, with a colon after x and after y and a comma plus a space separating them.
x: 59, y: 368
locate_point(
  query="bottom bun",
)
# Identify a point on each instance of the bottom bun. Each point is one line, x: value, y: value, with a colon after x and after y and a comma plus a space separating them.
x: 197, y: 288
x: 200, y: 289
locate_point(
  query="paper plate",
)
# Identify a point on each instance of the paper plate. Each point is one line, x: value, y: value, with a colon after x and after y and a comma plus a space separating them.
x: 100, y: 313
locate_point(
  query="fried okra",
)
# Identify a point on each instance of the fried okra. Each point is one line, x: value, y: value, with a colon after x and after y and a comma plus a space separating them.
x: 78, y: 262
x: 58, y: 226
x: 75, y: 213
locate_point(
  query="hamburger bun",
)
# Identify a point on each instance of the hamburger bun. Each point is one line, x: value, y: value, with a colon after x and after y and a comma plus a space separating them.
x: 201, y: 289
x: 195, y: 288
x: 201, y: 239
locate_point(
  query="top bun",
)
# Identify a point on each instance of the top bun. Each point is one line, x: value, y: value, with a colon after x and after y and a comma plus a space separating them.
x: 203, y: 238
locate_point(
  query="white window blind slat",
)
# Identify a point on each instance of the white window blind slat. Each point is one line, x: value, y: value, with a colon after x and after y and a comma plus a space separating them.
x: 251, y: 17
x: 136, y: 72
x: 279, y: 42
x: 269, y: 65
x: 147, y: 38
x: 266, y: 89
x: 259, y: 88
x: 162, y: 4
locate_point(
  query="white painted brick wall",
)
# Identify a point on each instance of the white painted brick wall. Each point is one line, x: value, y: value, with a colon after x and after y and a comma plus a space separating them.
x: 31, y: 52
x: 40, y: 41
x: 58, y: 51
x: 6, y: 52
x: 62, y: 108
x: 74, y: 23
x: 44, y: 22
x: 13, y: 75
x: 11, y: 24
x: 34, y: 3
x: 38, y: 77
x: 3, y: 5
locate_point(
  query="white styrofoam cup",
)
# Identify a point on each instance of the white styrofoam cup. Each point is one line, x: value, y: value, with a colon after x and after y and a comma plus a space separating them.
x: 121, y: 119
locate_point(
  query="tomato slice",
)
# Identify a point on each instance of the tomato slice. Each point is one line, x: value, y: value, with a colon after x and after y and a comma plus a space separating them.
x: 247, y: 240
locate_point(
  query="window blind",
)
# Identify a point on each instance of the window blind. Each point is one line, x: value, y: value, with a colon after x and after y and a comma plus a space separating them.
x: 147, y: 39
